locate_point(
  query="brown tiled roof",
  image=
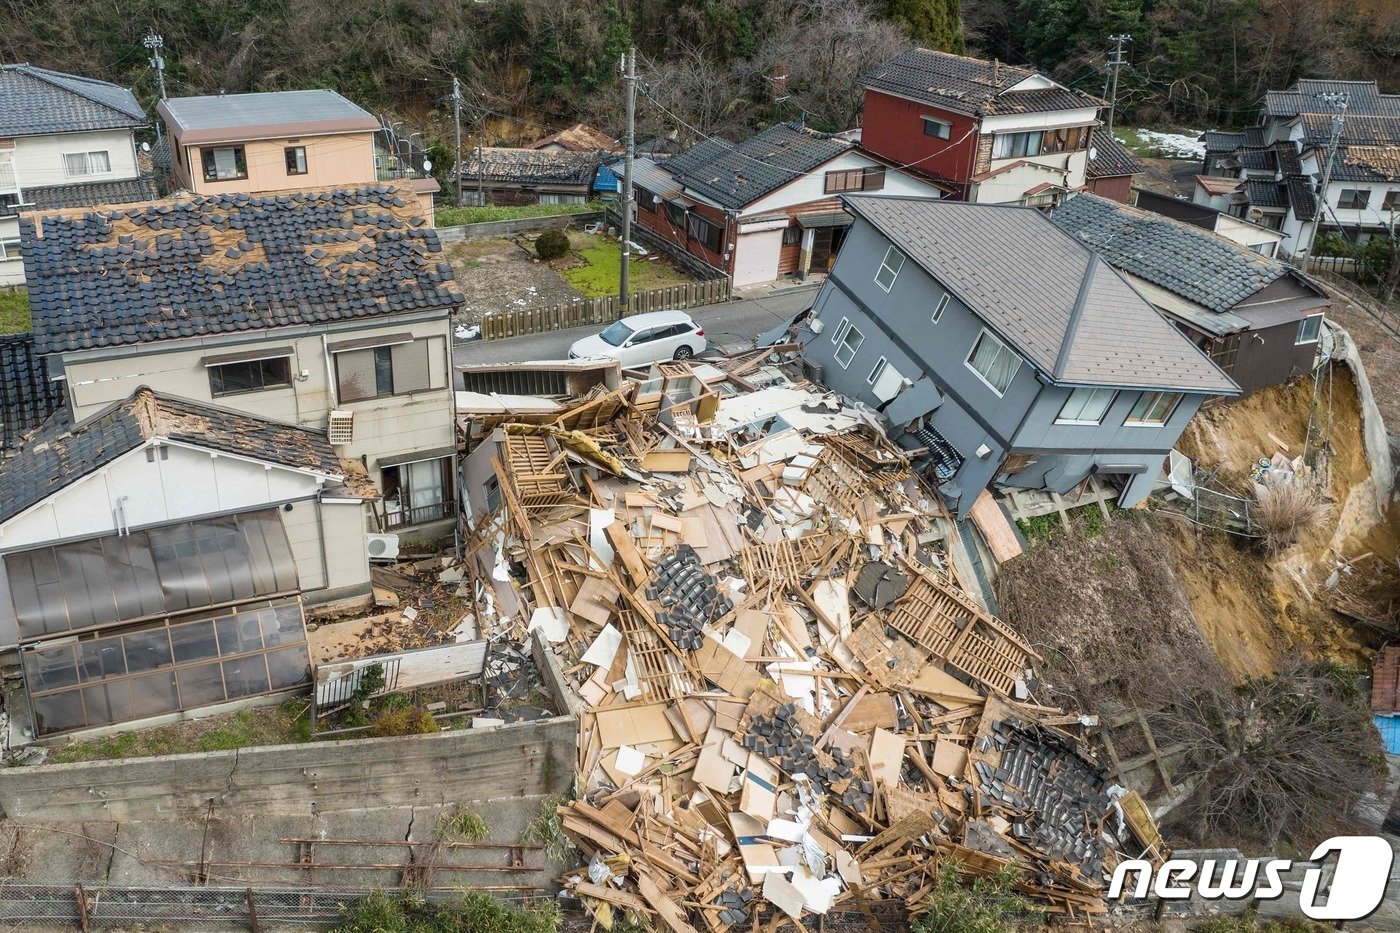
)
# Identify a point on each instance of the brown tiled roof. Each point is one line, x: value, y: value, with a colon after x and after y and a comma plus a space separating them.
x: 1215, y: 184
x: 577, y: 138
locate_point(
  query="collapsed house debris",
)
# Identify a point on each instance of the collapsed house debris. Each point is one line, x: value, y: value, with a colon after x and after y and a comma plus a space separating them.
x: 788, y: 698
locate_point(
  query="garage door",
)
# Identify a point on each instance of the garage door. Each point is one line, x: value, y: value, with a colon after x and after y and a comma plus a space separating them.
x: 756, y: 257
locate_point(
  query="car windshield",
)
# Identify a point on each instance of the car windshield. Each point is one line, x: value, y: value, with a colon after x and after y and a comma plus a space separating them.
x: 616, y: 334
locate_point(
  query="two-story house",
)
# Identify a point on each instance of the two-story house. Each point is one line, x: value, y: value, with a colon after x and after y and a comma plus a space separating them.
x: 767, y: 207
x: 253, y: 384
x: 1259, y: 318
x: 65, y: 141
x: 991, y: 132
x: 1003, y: 350
x: 275, y: 141
x: 1279, y: 163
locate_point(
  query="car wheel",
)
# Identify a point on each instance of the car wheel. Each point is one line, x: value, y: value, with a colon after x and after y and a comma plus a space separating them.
x: 683, y: 352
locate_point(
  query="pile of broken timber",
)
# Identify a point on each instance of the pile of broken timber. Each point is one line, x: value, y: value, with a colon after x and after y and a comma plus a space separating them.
x: 790, y: 701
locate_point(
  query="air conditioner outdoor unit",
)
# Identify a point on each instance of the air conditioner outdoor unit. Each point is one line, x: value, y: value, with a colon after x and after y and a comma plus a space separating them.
x: 382, y: 547
x: 341, y: 427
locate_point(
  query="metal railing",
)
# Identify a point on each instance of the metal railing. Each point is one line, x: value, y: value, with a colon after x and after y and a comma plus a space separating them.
x: 419, y: 516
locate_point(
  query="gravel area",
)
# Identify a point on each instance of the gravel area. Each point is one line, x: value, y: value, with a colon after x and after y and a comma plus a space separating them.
x: 501, y: 275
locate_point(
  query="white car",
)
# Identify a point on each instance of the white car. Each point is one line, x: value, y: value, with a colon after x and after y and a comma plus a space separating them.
x: 643, y: 339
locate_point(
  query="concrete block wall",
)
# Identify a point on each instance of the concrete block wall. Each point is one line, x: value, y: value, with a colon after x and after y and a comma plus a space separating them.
x: 514, y: 760
x: 492, y: 228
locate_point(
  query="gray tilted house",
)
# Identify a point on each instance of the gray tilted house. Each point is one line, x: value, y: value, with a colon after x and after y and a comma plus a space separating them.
x: 1004, y: 349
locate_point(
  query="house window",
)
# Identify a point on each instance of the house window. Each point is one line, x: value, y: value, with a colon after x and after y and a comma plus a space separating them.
x: 1085, y: 406
x: 856, y: 179
x: 1017, y: 145
x: 1154, y: 409
x: 86, y: 163
x: 1066, y: 140
x: 1265, y: 249
x: 850, y: 343
x: 560, y: 199
x: 994, y: 362
x: 376, y: 372
x: 792, y: 236
x: 646, y: 200
x: 1225, y: 350
x: 9, y: 248
x: 296, y: 159
x: 1353, y: 199
x: 877, y: 371
x: 224, y: 164
x: 889, y: 268
x: 711, y: 235
x: 938, y: 308
x: 1309, y: 328
x: 840, y: 330
x: 938, y: 129
x: 1391, y: 202
x: 250, y: 376
x: 493, y: 495
x: 418, y: 492
x: 675, y: 214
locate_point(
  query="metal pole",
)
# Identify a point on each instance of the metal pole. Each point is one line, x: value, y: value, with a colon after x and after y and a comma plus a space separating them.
x: 1114, y: 64
x: 457, y: 124
x: 1338, y: 102
x: 630, y: 77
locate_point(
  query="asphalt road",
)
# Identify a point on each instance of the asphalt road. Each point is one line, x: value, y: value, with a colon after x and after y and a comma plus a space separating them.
x: 729, y: 326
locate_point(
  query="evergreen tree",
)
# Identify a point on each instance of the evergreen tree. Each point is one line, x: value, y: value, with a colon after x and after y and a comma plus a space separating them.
x: 932, y: 24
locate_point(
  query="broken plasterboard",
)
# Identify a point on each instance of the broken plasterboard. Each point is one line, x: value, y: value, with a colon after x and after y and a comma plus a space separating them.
x: 551, y: 621
x: 604, y: 647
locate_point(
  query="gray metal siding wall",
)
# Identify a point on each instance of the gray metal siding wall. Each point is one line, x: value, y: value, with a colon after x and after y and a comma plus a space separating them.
x: 1271, y: 356
x: 1040, y: 432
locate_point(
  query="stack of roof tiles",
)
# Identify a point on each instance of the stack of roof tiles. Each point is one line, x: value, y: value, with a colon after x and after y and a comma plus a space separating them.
x: 228, y: 263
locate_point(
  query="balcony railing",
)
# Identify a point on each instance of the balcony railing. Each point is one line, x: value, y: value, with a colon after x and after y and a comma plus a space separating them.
x: 419, y: 516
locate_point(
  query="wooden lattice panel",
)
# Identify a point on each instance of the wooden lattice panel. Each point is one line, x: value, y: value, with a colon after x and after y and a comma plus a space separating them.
x: 937, y: 616
x: 659, y: 673
x: 788, y: 559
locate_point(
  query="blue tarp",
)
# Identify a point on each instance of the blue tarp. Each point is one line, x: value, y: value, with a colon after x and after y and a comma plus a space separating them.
x: 1389, y: 728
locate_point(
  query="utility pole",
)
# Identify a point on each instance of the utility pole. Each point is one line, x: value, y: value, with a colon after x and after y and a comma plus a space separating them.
x: 457, y: 124
x: 155, y: 44
x: 1114, y: 63
x: 480, y: 174
x: 1337, y: 101
x: 629, y: 75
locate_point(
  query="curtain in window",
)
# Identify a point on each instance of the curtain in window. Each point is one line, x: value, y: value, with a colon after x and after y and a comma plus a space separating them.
x: 98, y: 163
x: 75, y: 163
x: 225, y: 163
x: 424, y: 484
x: 995, y: 362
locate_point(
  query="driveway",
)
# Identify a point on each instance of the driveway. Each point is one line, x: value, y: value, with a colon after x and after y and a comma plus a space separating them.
x: 729, y: 326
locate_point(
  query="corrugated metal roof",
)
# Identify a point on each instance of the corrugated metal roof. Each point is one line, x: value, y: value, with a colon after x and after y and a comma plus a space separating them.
x: 271, y: 108
x: 1073, y: 317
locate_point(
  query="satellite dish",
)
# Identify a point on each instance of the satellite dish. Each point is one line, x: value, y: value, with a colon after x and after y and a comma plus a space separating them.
x: 427, y: 165
x: 145, y: 147
x: 1093, y: 153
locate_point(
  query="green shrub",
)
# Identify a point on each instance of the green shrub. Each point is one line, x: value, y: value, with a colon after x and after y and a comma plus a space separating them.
x: 476, y: 912
x: 463, y: 823
x: 552, y: 244
x: 405, y: 720
x: 989, y: 905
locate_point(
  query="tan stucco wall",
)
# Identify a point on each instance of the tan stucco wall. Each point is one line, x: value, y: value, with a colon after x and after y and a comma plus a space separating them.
x: 384, y: 427
x: 330, y: 160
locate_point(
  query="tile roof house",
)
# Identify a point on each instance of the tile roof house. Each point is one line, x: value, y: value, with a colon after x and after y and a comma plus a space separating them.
x: 1280, y: 163
x: 328, y: 308
x: 1258, y: 317
x: 275, y: 141
x: 66, y: 141
x: 1004, y: 349
x: 577, y: 138
x: 166, y: 520
x: 993, y: 132
x: 765, y: 207
x: 534, y: 176
x: 1111, y: 167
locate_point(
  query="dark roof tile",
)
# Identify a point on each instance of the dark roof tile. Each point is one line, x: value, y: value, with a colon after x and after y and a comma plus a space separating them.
x: 27, y: 395
x: 971, y: 85
x: 1111, y: 157
x: 37, y: 102
x: 735, y: 176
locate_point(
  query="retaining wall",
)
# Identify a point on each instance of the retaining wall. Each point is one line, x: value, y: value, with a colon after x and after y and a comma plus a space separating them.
x: 509, y: 227
x: 518, y: 759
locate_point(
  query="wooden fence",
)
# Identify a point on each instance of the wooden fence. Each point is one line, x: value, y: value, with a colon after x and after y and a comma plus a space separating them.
x: 586, y: 311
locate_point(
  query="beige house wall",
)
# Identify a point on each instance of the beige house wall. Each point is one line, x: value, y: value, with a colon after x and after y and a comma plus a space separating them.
x: 346, y: 159
x: 384, y: 427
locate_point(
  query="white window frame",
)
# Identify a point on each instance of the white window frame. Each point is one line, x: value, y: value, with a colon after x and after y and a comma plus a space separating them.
x: 9, y: 249
x: 847, y: 345
x: 1003, y: 144
x: 1134, y: 420
x: 944, y: 125
x: 893, y: 270
x: 1093, y: 394
x: 87, y: 163
x: 984, y: 335
x: 1303, y: 329
x: 939, y: 308
x: 877, y: 371
x: 840, y: 330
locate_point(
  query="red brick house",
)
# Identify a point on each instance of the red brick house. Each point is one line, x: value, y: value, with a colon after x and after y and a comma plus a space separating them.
x: 767, y: 207
x: 991, y: 132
